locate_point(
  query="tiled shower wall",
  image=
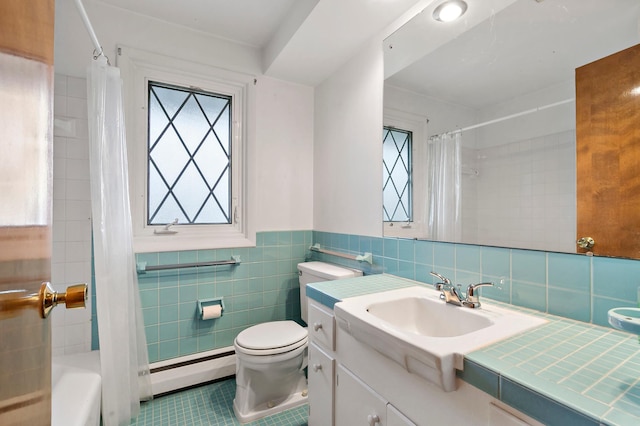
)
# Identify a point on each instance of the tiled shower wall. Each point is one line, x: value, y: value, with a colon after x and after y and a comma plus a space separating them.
x: 71, y: 256
x: 526, y: 193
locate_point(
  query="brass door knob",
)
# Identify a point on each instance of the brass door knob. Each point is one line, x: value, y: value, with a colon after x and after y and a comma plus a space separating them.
x: 14, y: 301
x: 74, y: 297
x: 586, y: 242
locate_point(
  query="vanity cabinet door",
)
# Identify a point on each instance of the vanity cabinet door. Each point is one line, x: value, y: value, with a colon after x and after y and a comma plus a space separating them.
x: 321, y: 374
x: 357, y: 403
x: 396, y: 418
x: 321, y: 326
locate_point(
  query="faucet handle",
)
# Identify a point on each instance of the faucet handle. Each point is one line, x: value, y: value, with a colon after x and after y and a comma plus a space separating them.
x: 473, y: 300
x: 444, y: 279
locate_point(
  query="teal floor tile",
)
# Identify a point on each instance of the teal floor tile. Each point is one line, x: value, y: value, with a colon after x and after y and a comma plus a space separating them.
x: 210, y: 405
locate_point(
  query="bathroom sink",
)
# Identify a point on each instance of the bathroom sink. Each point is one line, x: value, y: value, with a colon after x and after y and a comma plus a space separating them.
x: 414, y: 328
x: 626, y: 319
x: 428, y: 317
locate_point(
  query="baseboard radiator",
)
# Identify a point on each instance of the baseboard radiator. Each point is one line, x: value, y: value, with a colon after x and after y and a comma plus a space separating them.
x: 191, y: 370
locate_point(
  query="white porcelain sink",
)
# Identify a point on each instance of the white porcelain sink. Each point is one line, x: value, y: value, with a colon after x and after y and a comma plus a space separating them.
x: 428, y: 317
x: 422, y: 333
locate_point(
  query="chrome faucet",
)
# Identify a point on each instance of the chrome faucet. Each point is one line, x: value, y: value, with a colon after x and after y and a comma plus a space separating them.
x: 448, y: 292
x: 473, y: 300
x: 451, y: 294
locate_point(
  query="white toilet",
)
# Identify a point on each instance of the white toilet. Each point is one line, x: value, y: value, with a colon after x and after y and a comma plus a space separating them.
x: 271, y: 357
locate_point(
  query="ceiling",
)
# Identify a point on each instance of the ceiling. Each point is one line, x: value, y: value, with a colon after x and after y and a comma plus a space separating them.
x: 300, y: 40
x: 519, y: 47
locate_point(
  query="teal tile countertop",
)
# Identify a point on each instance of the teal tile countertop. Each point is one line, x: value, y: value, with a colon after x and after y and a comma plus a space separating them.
x: 560, y: 373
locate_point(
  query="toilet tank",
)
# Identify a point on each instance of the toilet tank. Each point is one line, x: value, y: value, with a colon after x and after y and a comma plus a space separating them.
x: 313, y: 272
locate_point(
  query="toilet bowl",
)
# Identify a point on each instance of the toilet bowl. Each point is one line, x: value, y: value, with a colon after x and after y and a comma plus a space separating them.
x: 271, y: 357
x: 270, y: 362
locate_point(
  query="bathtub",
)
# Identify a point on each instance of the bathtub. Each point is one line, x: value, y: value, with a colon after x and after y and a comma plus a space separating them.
x: 75, y: 390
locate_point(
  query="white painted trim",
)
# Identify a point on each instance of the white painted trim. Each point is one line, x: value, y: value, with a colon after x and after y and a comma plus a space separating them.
x: 138, y: 67
x: 193, y: 374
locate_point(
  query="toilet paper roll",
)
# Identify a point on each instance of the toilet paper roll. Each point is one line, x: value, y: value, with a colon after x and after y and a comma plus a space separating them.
x: 211, y: 312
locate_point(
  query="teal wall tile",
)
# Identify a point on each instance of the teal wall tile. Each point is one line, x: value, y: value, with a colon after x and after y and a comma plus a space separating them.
x: 465, y: 277
x: 168, y: 313
x: 424, y: 253
x: 264, y: 287
x: 391, y: 248
x: 406, y: 250
x: 168, y: 257
x: 529, y: 295
x: 190, y: 256
x: 406, y: 269
x: 616, y: 278
x: 422, y: 273
x: 206, y: 255
x: 148, y: 298
x: 377, y: 246
x: 502, y: 289
x: 569, y: 271
x: 390, y: 265
x: 529, y: 266
x: 569, y: 304
x: 168, y: 349
x: 496, y: 262
x: 443, y: 256
x: 354, y: 243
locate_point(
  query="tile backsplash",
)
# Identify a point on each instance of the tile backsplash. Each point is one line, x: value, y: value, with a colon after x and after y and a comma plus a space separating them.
x: 569, y: 285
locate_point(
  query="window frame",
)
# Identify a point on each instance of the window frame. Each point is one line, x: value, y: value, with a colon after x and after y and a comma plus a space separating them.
x: 410, y: 161
x: 138, y: 69
x: 417, y: 126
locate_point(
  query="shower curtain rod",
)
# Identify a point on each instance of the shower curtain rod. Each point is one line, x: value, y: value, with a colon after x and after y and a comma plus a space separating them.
x: 506, y: 117
x: 92, y: 34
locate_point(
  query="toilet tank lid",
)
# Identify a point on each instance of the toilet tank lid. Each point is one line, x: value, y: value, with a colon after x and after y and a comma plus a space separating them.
x: 327, y: 270
x: 271, y: 335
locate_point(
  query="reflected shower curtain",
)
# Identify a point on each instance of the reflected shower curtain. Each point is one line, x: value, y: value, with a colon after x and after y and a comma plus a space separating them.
x: 444, y: 196
x: 123, y: 351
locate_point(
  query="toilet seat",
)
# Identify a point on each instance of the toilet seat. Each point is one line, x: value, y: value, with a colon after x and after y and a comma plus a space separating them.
x: 271, y: 338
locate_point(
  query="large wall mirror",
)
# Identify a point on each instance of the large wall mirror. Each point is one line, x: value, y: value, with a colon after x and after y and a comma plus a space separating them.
x: 498, y: 86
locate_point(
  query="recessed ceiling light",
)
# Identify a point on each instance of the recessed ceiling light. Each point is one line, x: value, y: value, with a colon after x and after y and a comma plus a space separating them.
x: 450, y: 10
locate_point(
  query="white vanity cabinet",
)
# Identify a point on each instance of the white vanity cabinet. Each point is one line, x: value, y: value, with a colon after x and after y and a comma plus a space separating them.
x: 358, y: 404
x: 352, y: 384
x: 321, y: 365
x: 337, y: 396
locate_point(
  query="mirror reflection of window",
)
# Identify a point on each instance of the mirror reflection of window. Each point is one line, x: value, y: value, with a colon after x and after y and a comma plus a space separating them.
x: 396, y: 175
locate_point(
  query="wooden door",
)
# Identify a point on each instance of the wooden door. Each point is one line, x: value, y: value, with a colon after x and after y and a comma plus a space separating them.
x: 608, y: 153
x: 26, y: 116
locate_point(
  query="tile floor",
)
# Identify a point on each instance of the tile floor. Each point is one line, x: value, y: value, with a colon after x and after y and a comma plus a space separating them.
x: 208, y: 405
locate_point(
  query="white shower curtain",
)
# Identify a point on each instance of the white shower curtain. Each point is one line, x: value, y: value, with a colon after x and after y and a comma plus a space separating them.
x: 123, y: 352
x: 444, y: 189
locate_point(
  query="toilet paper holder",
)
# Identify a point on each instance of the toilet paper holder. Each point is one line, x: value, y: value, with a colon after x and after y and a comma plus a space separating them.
x: 209, y: 302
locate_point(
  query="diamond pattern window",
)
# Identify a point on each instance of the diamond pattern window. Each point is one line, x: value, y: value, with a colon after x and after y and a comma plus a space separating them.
x: 189, y: 156
x: 396, y: 175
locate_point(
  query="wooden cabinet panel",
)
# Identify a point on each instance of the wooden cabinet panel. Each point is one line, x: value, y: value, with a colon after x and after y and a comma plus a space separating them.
x: 608, y: 153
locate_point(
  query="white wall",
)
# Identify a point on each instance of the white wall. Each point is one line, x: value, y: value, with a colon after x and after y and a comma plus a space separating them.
x: 284, y: 156
x: 347, y: 191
